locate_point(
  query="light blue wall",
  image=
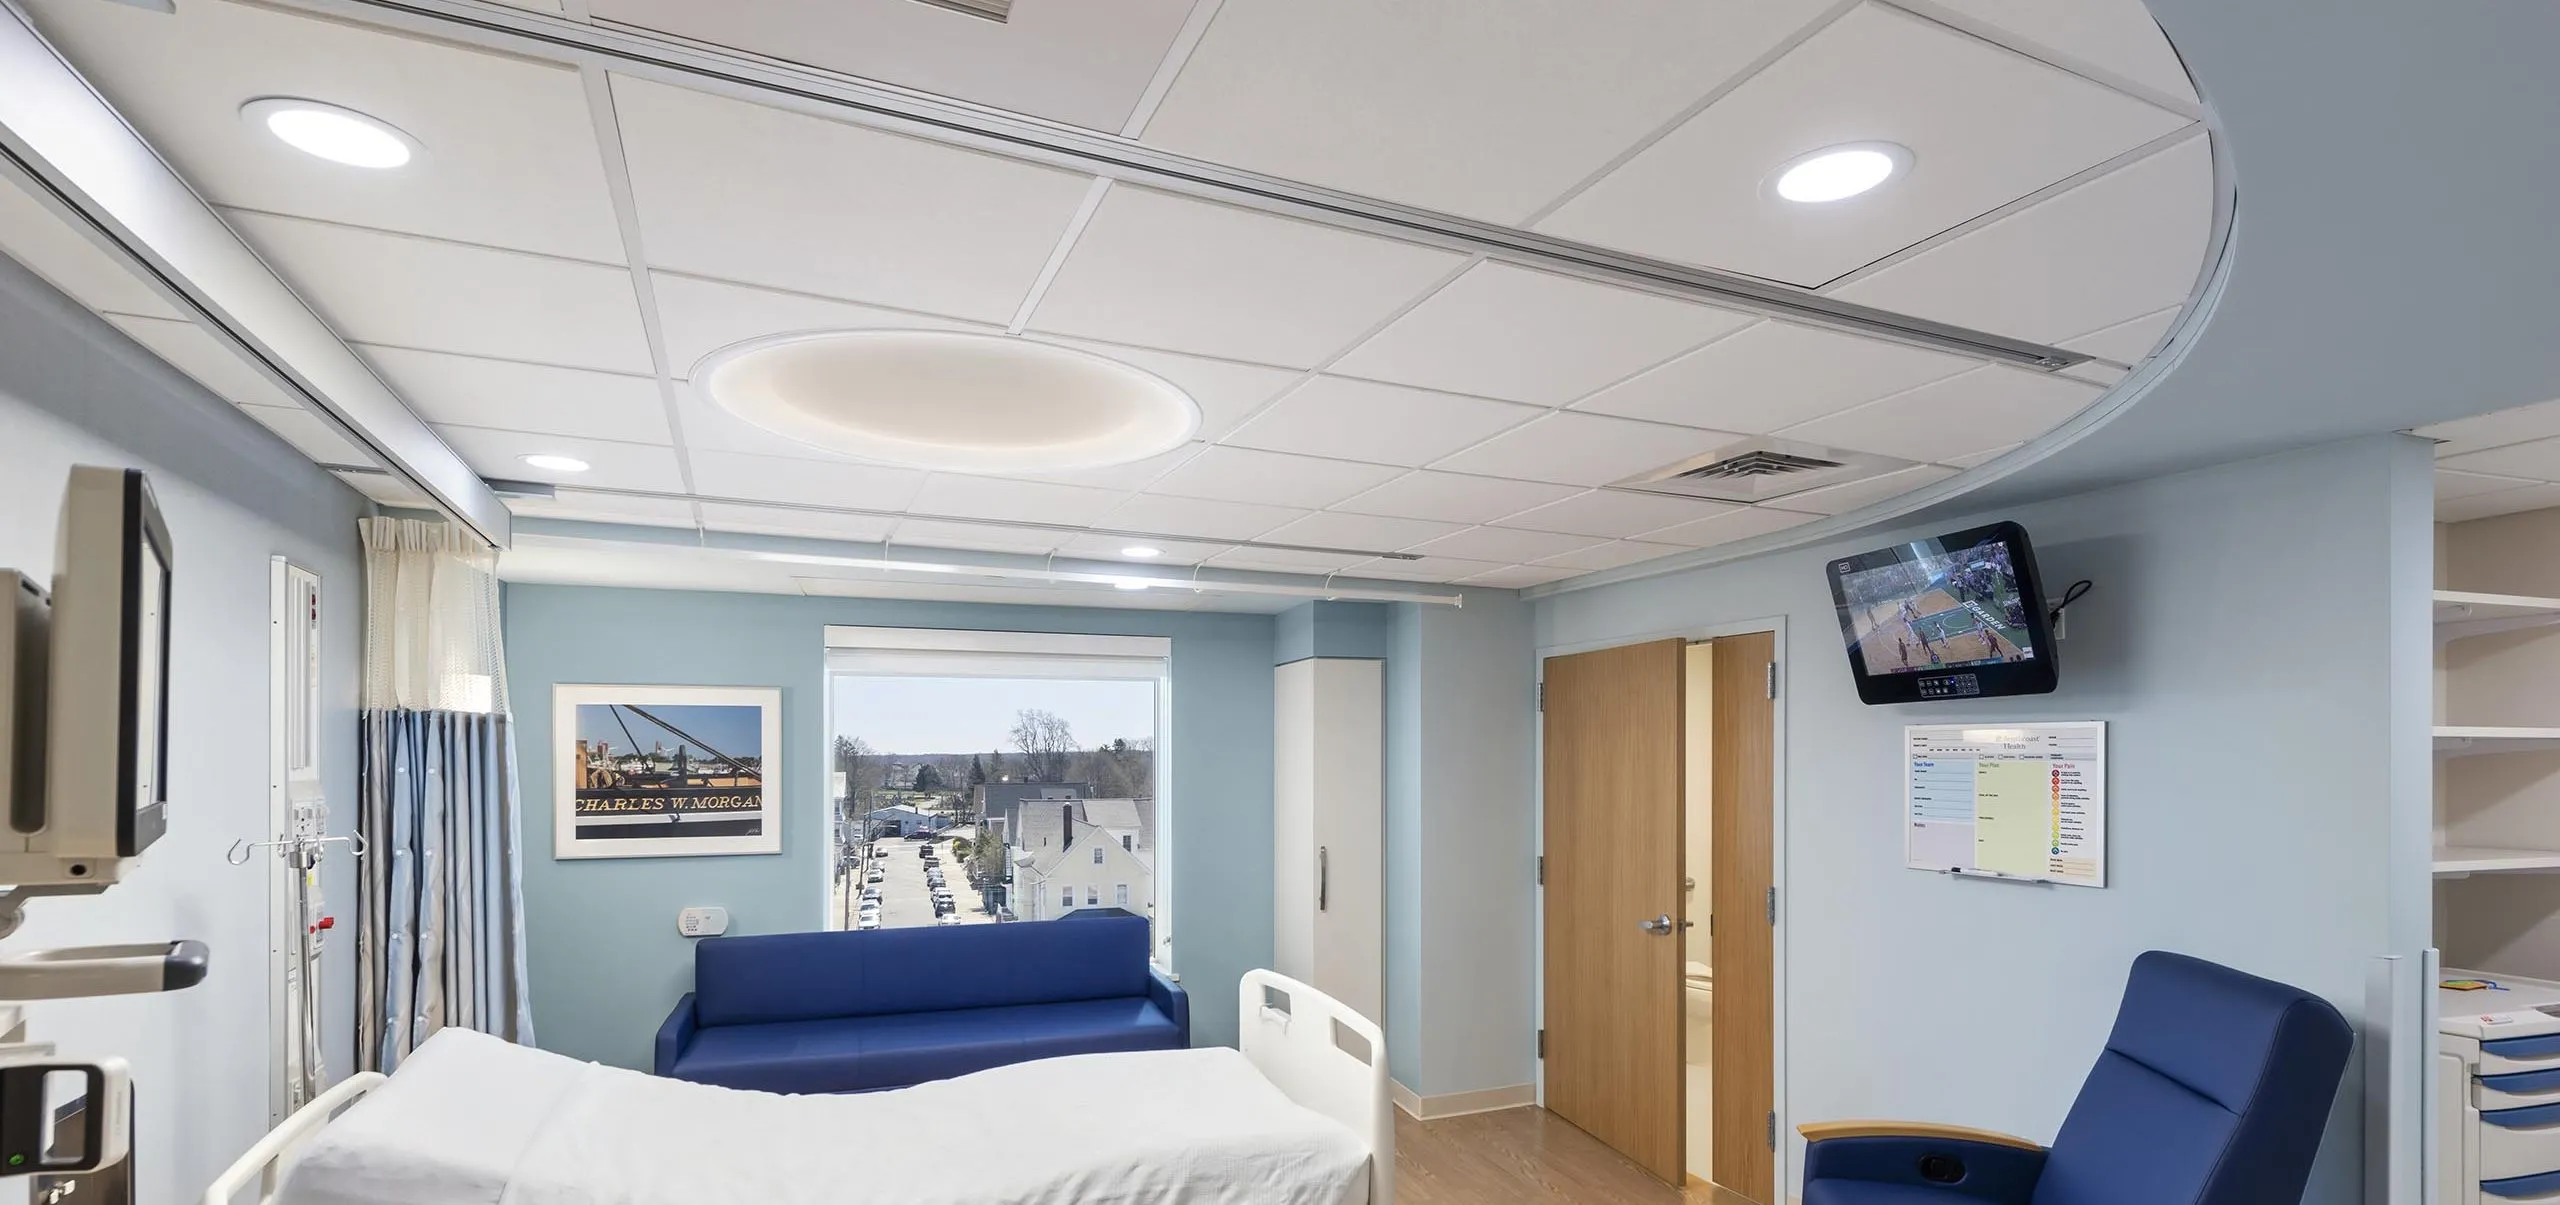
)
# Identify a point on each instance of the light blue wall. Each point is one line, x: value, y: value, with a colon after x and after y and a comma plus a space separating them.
x: 2255, y: 643
x: 1403, y: 1022
x: 74, y: 390
x: 607, y: 961
x: 1330, y: 629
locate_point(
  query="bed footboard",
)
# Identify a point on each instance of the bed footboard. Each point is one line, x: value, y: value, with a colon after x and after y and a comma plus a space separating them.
x: 264, y: 1163
x: 1326, y: 1058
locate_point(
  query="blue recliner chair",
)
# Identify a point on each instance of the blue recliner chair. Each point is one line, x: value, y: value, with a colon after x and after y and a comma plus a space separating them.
x: 2213, y: 1090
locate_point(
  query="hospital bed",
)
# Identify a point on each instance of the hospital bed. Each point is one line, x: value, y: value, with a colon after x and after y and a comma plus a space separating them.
x: 1298, y: 1114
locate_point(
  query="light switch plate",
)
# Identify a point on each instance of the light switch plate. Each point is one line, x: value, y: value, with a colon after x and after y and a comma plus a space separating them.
x: 702, y: 922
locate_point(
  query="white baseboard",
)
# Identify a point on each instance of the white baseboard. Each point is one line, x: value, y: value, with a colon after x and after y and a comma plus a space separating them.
x: 1459, y: 1104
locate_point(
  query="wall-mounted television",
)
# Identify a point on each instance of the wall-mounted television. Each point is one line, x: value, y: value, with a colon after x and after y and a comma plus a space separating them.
x: 1958, y: 616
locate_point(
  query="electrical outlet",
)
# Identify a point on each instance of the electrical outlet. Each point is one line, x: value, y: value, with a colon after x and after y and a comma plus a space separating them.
x: 702, y: 922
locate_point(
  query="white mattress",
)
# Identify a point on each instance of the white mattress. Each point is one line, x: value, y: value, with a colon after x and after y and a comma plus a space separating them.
x: 471, y: 1120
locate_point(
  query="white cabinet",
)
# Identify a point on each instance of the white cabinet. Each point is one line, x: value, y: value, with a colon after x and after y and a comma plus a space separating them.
x: 1330, y: 814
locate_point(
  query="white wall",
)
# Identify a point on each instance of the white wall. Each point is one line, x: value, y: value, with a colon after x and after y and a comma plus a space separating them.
x: 2257, y: 643
x: 75, y: 391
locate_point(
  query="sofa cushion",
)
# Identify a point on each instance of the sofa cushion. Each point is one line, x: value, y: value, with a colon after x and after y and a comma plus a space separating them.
x: 938, y: 968
x: 854, y: 1054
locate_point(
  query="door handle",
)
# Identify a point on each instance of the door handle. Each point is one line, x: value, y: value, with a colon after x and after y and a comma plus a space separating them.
x: 1659, y: 926
x: 1323, y: 875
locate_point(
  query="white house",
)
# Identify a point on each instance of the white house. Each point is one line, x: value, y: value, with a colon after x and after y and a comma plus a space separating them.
x: 1092, y: 870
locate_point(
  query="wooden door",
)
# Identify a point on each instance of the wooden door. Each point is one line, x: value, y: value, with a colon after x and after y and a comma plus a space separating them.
x: 1744, y: 740
x: 1614, y: 750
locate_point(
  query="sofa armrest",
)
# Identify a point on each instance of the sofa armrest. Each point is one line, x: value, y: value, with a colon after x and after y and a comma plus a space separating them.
x: 675, y: 1035
x: 1980, y: 1164
x: 1169, y: 997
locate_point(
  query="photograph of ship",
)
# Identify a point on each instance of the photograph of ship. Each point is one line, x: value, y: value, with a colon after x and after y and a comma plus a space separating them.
x: 668, y: 771
x: 1941, y: 611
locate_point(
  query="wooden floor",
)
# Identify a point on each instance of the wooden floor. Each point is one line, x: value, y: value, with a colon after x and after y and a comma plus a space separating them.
x: 1525, y: 1155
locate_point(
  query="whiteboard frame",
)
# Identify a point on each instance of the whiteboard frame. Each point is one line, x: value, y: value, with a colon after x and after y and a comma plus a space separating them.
x: 2098, y: 780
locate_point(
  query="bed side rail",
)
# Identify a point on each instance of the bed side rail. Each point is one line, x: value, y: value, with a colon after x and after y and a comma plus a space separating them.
x: 1326, y: 1058
x: 266, y: 1161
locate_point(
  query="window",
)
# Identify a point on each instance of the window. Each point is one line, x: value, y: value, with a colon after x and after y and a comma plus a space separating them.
x: 1097, y: 855
x: 1092, y: 896
x: 1067, y: 896
x: 1120, y: 895
x: 1126, y: 842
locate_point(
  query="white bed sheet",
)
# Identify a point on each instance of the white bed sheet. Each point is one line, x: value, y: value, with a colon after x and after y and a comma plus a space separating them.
x: 470, y: 1120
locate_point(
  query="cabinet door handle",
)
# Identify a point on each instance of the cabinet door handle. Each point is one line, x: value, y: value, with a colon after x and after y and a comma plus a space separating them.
x: 1323, y: 875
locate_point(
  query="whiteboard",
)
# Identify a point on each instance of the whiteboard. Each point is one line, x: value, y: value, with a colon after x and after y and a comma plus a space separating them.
x: 2007, y: 801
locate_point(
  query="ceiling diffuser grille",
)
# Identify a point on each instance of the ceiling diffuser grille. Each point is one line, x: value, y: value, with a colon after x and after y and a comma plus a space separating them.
x: 998, y: 11
x: 1758, y: 462
x: 1761, y: 469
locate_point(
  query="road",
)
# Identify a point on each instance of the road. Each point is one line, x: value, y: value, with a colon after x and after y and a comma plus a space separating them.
x: 905, y: 900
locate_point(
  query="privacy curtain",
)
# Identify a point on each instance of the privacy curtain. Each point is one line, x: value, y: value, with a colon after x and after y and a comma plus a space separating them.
x: 440, y: 918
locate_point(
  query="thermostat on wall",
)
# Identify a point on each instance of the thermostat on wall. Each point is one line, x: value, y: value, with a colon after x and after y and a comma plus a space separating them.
x: 702, y: 922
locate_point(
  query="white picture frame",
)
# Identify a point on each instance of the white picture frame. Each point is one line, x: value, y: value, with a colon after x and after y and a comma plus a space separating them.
x: 659, y: 760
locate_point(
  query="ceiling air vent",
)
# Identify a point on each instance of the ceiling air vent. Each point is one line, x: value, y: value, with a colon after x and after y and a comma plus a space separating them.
x: 1760, y: 470
x: 998, y: 11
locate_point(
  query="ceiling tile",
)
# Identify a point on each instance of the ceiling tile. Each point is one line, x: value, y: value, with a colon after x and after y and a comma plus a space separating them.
x: 1158, y: 514
x: 785, y: 521
x: 406, y: 291
x: 808, y: 482
x: 2485, y: 431
x: 1738, y: 524
x: 2129, y: 243
x: 1228, y: 391
x: 188, y: 348
x: 1504, y: 545
x: 697, y: 317
x: 2451, y: 484
x: 585, y: 507
x: 1427, y: 569
x: 2120, y: 38
x: 310, y: 434
x: 1452, y: 105
x: 1507, y: 332
x: 1612, y: 555
x: 1283, y: 560
x: 1334, y: 529
x: 1520, y: 577
x: 1614, y: 514
x: 1272, y: 478
x: 2127, y: 342
x: 1162, y: 271
x: 2503, y: 502
x: 745, y: 192
x: 1848, y: 496
x: 1366, y: 420
x: 474, y: 392
x: 1118, y: 478
x: 509, y: 156
x: 709, y: 428
x: 1583, y: 449
x: 1971, y: 459
x: 1454, y: 497
x: 1084, y: 64
x: 1773, y: 375
x: 972, y: 537
x: 611, y: 464
x: 1985, y: 127
x: 1987, y: 408
x: 2539, y: 460
x: 2094, y: 373
x: 968, y: 497
x: 1107, y: 548
x: 70, y: 262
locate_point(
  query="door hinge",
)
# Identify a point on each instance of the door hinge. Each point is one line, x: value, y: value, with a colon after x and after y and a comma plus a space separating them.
x: 1773, y: 906
x: 1542, y: 1043
x: 1542, y: 870
x: 1772, y: 1138
x: 1711, y: 924
x: 1773, y: 679
x: 1542, y: 696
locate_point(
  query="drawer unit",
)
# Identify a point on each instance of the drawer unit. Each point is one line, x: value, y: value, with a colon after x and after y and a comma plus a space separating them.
x: 2498, y: 1116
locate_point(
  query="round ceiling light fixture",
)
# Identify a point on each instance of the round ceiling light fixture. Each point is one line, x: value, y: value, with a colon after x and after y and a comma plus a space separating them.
x: 950, y: 400
x: 1837, y: 173
x: 332, y: 132
x: 556, y: 464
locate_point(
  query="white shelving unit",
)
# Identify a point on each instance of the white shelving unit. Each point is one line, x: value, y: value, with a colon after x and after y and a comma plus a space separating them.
x: 2456, y: 740
x: 2455, y: 861
x: 2497, y: 766
x: 2461, y: 613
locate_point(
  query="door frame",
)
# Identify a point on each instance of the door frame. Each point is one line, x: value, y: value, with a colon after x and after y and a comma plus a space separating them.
x: 1778, y: 951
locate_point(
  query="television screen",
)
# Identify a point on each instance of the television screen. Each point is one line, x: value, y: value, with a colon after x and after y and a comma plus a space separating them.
x: 1958, y: 616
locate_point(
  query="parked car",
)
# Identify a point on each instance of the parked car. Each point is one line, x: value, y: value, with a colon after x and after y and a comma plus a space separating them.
x: 871, y: 895
x: 875, y: 876
x: 870, y: 920
x: 949, y: 918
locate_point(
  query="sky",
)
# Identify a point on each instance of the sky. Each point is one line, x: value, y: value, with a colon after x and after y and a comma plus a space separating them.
x: 974, y: 715
x: 736, y: 731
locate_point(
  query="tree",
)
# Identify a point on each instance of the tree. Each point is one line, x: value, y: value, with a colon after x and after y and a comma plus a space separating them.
x: 995, y: 767
x: 977, y: 771
x: 1046, y: 744
x: 928, y: 778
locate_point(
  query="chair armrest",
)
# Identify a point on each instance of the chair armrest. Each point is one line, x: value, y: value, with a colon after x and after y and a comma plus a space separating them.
x: 1169, y: 997
x: 1980, y: 1164
x: 674, y: 1035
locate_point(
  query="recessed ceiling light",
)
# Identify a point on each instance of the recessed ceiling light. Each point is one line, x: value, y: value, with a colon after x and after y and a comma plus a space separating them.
x: 950, y: 400
x: 1140, y: 552
x: 1837, y: 173
x: 332, y: 132
x: 556, y: 464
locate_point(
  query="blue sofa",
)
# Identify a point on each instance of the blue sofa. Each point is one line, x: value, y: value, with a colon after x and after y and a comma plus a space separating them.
x: 858, y: 1012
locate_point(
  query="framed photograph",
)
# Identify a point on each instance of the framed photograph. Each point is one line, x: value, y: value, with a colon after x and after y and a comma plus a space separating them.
x: 666, y: 771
